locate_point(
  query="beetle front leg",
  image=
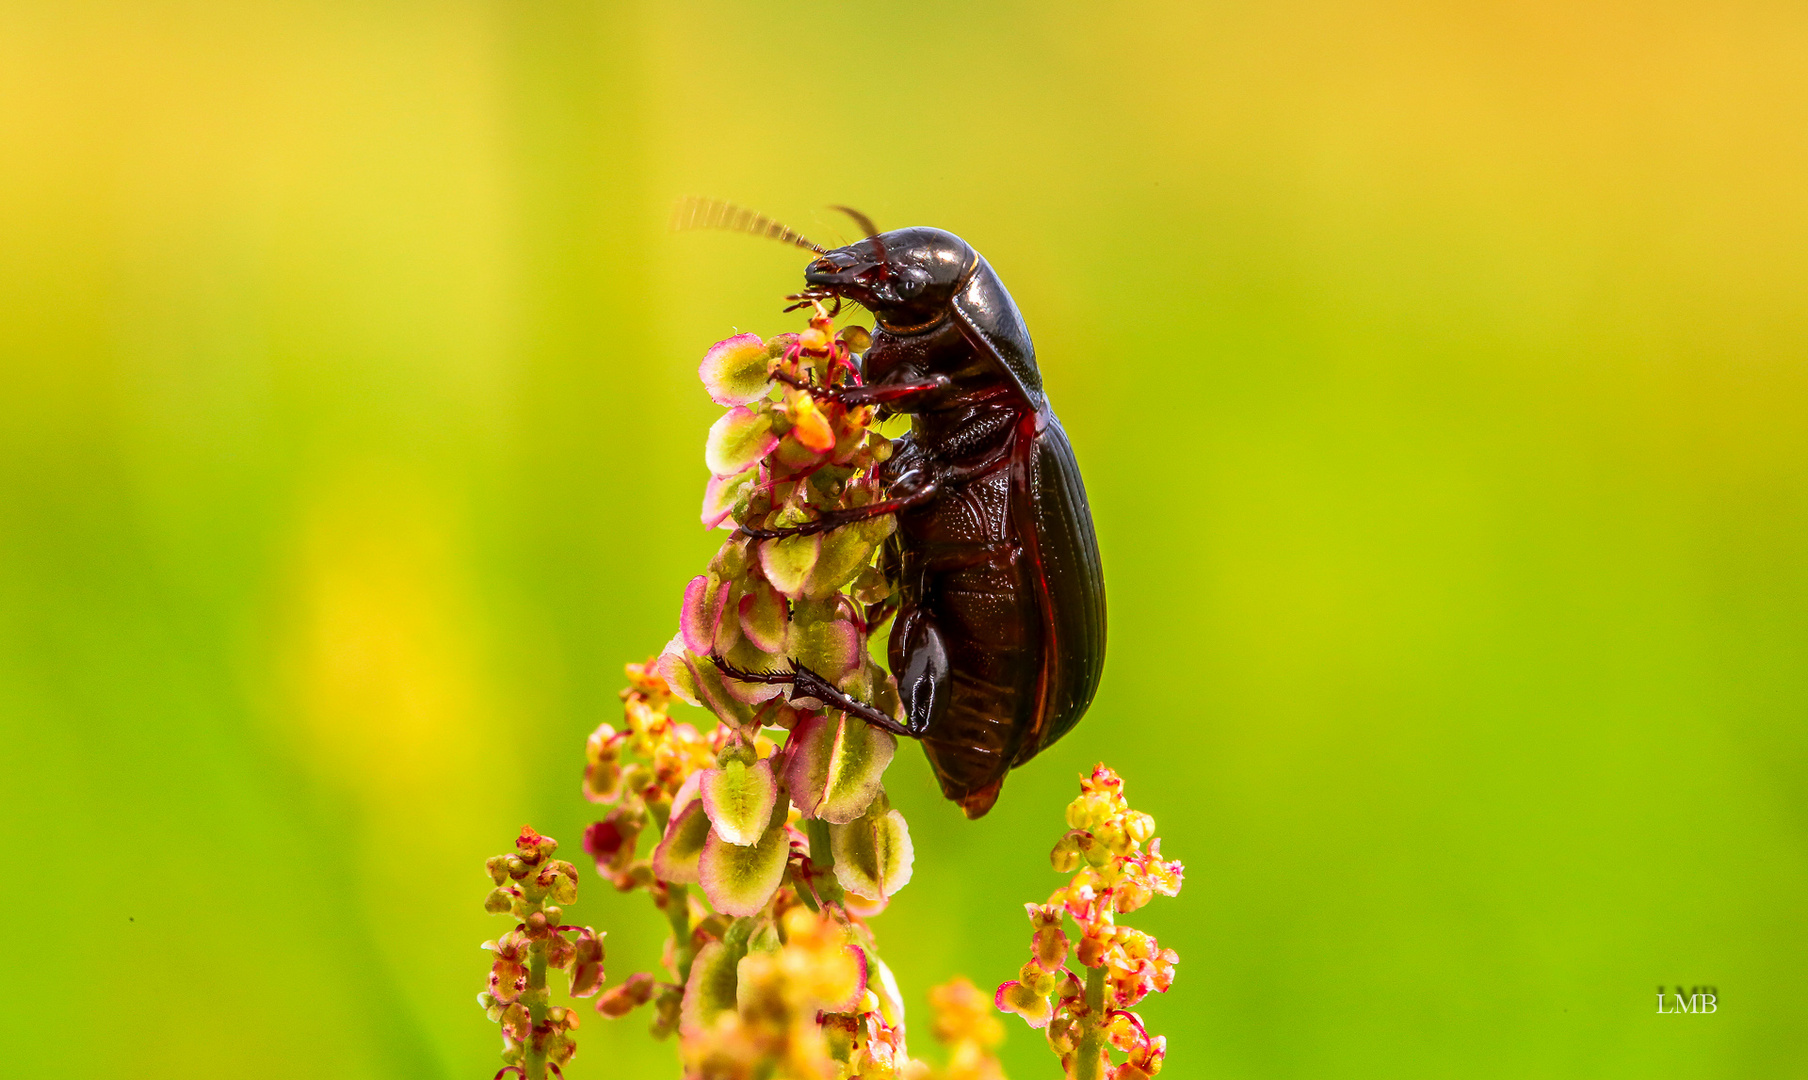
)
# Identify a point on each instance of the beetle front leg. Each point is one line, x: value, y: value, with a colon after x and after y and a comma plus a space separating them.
x: 805, y: 683
x: 853, y: 397
x: 888, y: 393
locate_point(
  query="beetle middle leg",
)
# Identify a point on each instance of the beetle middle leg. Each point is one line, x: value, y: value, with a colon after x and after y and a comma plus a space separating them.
x: 907, y: 492
x: 805, y: 683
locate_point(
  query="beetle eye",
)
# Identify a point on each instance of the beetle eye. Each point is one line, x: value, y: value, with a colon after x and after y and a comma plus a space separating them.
x: 910, y: 281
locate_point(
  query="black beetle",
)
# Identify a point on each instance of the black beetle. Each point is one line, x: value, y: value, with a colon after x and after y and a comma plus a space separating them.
x: 1000, y: 635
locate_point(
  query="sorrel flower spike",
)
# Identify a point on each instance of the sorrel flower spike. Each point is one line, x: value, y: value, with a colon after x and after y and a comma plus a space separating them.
x: 777, y: 813
x: 797, y: 611
x: 1115, y: 861
x: 531, y: 886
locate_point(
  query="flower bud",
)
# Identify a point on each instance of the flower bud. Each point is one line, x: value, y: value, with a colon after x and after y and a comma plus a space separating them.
x: 560, y: 952
x: 517, y: 1024
x: 508, y: 978
x: 1130, y: 896
x: 1015, y: 997
x: 602, y: 744
x: 501, y: 901
x: 1095, y: 851
x: 1050, y: 946
x: 636, y: 777
x: 838, y: 1033
x: 533, y: 847
x: 587, y: 964
x: 560, y: 880
x: 621, y: 1000
x: 1063, y: 1034
x: 602, y: 781
x: 666, y: 1012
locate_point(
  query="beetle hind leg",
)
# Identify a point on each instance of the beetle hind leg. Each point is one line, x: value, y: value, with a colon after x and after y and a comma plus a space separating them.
x: 807, y: 684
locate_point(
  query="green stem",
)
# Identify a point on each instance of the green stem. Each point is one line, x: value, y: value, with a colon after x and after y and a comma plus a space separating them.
x: 822, y: 859
x: 822, y: 852
x: 1089, y: 1059
x: 535, y: 1061
x: 678, y: 913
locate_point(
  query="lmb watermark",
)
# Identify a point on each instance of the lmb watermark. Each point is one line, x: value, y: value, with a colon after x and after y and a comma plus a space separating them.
x: 1696, y: 1000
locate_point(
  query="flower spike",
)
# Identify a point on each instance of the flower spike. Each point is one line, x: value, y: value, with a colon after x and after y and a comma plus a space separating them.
x: 1114, y: 859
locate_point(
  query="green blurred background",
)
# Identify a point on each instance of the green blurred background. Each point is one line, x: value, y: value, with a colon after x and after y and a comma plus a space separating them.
x: 1437, y: 371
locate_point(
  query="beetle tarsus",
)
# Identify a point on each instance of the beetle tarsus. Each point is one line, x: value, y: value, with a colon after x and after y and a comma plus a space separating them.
x: 743, y: 675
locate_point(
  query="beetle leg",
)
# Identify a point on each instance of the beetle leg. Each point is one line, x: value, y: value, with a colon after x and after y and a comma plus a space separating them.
x: 853, y: 397
x: 941, y: 558
x: 805, y: 683
x: 808, y: 684
x: 886, y: 393
x: 771, y: 678
x: 925, y: 682
x: 997, y: 459
x: 835, y: 519
x: 904, y: 496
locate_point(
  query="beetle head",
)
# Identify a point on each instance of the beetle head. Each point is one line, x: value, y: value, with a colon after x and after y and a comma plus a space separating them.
x: 907, y: 278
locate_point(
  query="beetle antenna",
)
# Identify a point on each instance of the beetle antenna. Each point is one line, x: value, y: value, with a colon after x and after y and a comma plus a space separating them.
x: 859, y: 219
x: 693, y: 212
x: 872, y: 233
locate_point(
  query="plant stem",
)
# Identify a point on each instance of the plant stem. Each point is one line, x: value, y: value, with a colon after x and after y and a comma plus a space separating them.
x: 535, y: 1061
x: 822, y: 853
x: 678, y: 913
x: 1089, y: 1058
x: 822, y: 859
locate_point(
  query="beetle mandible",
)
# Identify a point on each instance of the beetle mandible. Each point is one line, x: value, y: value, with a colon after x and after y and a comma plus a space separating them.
x: 999, y: 642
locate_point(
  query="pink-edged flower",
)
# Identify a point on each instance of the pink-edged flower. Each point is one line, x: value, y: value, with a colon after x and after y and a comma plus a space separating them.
x: 736, y: 370
x: 740, y: 878
x: 739, y: 798
x: 738, y: 441
x: 1014, y: 997
x: 836, y: 765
